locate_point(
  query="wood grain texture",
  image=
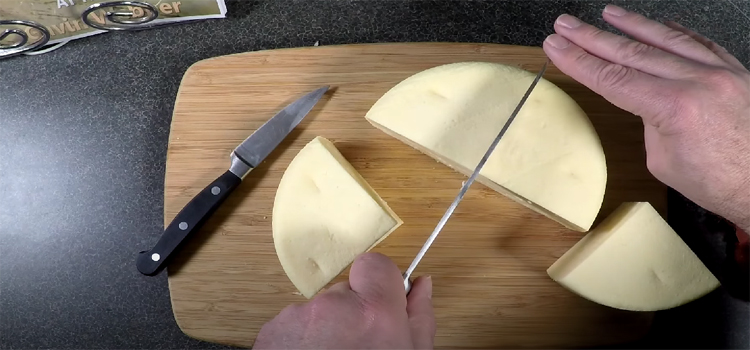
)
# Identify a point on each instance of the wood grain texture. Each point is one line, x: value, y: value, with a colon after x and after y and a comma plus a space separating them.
x: 489, y: 264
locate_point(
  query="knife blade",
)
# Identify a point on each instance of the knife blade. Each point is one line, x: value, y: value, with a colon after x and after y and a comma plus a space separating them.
x: 247, y: 156
x: 467, y: 184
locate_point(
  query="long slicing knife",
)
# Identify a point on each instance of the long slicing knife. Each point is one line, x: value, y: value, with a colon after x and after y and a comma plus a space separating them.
x: 247, y: 156
x: 465, y: 187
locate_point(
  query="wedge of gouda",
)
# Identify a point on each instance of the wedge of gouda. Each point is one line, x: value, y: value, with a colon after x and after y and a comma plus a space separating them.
x: 550, y: 159
x: 324, y: 215
x: 634, y: 261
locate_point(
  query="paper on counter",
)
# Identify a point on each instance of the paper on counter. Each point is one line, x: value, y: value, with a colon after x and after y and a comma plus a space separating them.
x: 62, y: 18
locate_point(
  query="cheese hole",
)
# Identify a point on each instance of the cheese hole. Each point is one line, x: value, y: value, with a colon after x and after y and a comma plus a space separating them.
x: 313, y: 263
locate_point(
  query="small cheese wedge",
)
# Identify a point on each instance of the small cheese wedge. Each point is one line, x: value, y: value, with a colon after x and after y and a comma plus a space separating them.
x: 324, y: 215
x: 550, y: 159
x: 634, y: 261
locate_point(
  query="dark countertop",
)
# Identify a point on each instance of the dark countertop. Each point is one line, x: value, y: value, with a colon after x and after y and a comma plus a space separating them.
x: 83, y: 138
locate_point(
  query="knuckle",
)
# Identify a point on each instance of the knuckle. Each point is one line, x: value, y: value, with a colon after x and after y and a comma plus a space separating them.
x: 594, y: 34
x: 726, y: 82
x: 581, y: 59
x: 346, y: 301
x: 373, y: 307
x: 675, y: 38
x: 613, y: 75
x: 677, y: 108
x: 633, y: 51
x: 684, y: 110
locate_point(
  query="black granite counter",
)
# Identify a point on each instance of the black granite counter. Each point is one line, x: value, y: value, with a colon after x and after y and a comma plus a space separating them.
x: 83, y: 139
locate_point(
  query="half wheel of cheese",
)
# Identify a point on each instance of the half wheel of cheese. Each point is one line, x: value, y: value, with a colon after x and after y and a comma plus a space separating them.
x: 324, y: 215
x: 550, y: 159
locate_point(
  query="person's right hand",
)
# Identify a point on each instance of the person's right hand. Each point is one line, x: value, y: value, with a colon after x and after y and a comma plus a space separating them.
x: 693, y: 97
x: 370, y: 311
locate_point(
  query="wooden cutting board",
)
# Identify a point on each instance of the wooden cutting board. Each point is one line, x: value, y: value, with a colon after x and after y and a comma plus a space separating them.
x: 489, y: 264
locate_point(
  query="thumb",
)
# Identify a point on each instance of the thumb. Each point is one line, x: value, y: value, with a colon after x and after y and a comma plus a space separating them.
x: 421, y: 315
x: 377, y: 279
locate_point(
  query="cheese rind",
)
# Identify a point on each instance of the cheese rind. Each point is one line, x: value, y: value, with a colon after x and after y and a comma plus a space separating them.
x: 634, y: 261
x: 324, y: 215
x: 550, y: 159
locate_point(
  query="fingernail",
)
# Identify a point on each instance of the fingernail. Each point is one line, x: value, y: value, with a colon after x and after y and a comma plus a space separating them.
x: 428, y: 279
x: 557, y: 41
x: 568, y: 21
x: 615, y: 10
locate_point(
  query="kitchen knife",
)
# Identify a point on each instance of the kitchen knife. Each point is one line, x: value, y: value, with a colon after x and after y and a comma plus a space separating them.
x: 247, y: 156
x: 465, y: 187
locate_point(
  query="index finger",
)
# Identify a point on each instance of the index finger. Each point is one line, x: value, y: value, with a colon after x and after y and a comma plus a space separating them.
x: 377, y: 279
x: 625, y: 87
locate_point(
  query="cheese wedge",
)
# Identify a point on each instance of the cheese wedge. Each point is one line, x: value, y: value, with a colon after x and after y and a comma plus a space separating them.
x: 550, y: 159
x: 324, y: 215
x: 634, y: 261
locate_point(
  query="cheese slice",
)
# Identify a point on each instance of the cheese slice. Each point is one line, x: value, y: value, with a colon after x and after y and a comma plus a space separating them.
x: 550, y: 159
x: 634, y: 261
x: 324, y: 215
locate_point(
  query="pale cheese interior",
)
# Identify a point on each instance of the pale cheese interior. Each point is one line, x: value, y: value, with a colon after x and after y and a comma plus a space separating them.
x: 634, y: 261
x: 324, y: 215
x: 550, y: 159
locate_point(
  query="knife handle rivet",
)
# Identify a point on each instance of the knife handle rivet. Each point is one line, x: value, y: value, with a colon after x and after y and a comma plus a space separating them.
x: 215, y: 190
x: 155, y: 257
x: 183, y: 226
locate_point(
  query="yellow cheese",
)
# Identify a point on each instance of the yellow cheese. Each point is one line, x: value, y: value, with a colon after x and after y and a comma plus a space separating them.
x: 634, y: 261
x: 550, y: 159
x: 324, y: 215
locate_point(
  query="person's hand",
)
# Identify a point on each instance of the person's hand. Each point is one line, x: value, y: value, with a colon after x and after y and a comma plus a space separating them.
x: 370, y: 311
x: 693, y: 97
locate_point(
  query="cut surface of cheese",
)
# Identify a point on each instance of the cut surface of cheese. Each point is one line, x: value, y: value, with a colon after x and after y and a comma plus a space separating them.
x: 324, y: 215
x: 634, y: 261
x: 550, y: 159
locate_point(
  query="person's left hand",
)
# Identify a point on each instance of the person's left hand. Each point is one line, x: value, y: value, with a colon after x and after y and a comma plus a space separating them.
x: 370, y: 311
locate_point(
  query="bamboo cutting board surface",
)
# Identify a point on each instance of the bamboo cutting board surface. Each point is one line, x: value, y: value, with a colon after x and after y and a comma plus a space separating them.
x: 489, y: 264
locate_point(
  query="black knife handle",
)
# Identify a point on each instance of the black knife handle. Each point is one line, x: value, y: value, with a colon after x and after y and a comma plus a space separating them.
x: 188, y: 220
